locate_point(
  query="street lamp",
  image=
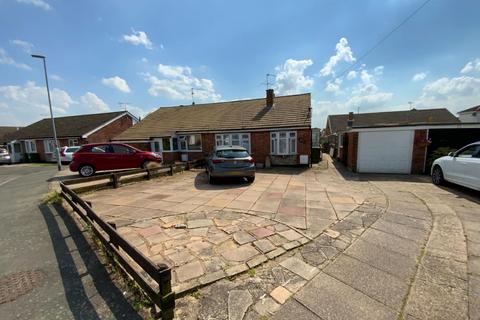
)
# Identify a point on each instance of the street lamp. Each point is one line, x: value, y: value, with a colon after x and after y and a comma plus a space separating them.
x: 57, y: 150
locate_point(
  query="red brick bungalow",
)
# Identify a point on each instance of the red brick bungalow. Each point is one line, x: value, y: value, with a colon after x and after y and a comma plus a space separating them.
x: 276, y: 130
x: 36, y: 140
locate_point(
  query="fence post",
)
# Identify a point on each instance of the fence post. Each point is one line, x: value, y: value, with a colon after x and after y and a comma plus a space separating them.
x: 148, y: 174
x: 167, y: 297
x: 171, y: 170
x: 187, y: 166
x: 114, y: 226
x: 115, y: 180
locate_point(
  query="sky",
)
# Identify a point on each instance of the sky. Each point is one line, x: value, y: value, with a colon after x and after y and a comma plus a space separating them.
x: 107, y: 55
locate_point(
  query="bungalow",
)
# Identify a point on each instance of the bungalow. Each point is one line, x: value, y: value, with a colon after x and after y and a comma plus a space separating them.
x: 396, y: 142
x: 470, y: 114
x: 36, y: 141
x: 275, y: 130
x: 4, y: 132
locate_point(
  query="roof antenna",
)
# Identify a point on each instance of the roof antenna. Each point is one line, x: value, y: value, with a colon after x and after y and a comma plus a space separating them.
x: 411, y: 105
x: 123, y: 105
x: 358, y: 109
x: 268, y: 83
x: 193, y: 97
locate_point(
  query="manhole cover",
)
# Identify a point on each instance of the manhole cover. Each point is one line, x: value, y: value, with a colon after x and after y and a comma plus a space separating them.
x: 17, y: 284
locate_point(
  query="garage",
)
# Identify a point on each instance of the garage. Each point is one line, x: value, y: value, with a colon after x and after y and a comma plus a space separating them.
x: 385, y: 151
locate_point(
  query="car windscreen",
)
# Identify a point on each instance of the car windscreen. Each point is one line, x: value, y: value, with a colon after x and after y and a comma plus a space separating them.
x: 232, y: 153
x: 73, y: 149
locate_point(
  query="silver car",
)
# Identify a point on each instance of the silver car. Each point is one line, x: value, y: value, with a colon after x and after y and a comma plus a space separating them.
x: 230, y: 161
x: 5, y: 156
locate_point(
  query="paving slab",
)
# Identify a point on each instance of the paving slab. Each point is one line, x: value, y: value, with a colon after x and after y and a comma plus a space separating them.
x: 238, y: 303
x: 329, y: 298
x: 299, y: 267
x: 294, y: 309
x: 373, y: 282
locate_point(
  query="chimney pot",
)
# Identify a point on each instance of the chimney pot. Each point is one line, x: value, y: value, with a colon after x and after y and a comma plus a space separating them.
x: 270, y: 97
x: 350, y: 120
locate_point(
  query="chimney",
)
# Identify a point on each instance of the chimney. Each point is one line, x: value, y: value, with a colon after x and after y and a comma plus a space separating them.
x: 270, y: 96
x: 350, y: 120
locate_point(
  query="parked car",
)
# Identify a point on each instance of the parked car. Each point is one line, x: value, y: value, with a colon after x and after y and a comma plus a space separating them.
x: 66, y: 154
x: 91, y: 158
x: 5, y: 156
x: 230, y: 161
x: 461, y: 167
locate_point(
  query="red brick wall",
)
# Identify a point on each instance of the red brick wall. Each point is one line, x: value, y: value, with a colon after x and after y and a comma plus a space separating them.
x: 260, y: 145
x: 145, y: 146
x: 208, y: 143
x: 304, y: 143
x: 113, y: 129
x: 352, y: 151
x: 418, y: 152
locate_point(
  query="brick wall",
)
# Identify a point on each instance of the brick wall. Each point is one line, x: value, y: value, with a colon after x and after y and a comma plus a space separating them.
x: 260, y: 146
x: 111, y: 130
x: 304, y: 143
x: 352, y: 151
x: 418, y: 152
x: 145, y: 146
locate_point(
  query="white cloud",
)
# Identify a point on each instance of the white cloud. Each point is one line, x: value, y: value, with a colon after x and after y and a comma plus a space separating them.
x: 37, y: 3
x: 343, y: 53
x: 6, y: 59
x: 369, y: 101
x: 333, y: 85
x: 473, y: 65
x: 92, y: 102
x: 290, y: 76
x: 56, y: 77
x: 138, y: 38
x: 24, y: 45
x: 28, y: 103
x: 351, y: 75
x: 176, y: 83
x: 378, y: 71
x: 419, y: 76
x: 116, y: 83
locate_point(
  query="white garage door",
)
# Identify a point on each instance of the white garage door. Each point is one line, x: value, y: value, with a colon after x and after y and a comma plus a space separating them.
x: 385, y: 151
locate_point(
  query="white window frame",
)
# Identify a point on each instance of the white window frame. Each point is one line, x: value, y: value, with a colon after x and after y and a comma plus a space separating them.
x: 275, y: 143
x: 30, y: 146
x: 340, y: 140
x: 220, y: 137
x: 47, y: 143
x: 180, y: 139
x: 73, y: 142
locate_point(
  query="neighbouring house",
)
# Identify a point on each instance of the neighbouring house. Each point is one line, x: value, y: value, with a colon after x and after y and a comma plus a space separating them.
x: 275, y: 130
x: 470, y: 115
x: 398, y: 141
x: 36, y: 143
x: 4, y: 132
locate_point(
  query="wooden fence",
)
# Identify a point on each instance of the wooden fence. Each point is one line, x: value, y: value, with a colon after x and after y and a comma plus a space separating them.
x: 122, y: 252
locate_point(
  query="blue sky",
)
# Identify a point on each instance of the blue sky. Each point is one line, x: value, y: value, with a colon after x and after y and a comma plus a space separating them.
x: 151, y: 53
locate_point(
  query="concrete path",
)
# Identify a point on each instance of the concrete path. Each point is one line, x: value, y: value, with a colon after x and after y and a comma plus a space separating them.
x: 47, y: 258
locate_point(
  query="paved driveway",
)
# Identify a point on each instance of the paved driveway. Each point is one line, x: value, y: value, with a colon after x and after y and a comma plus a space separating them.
x: 321, y: 243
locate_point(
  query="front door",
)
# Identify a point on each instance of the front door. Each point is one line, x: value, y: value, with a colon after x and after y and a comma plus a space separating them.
x: 15, y: 151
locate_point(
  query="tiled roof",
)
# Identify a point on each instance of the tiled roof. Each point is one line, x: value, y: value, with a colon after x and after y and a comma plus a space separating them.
x: 71, y: 126
x: 472, y: 109
x: 338, y: 122
x: 287, y: 111
x: 4, y: 131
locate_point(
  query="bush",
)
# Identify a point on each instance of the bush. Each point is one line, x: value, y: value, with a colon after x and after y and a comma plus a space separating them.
x: 437, y: 153
x: 52, y: 197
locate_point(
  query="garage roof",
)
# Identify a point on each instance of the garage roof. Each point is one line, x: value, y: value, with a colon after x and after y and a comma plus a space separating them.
x: 472, y: 109
x: 338, y: 122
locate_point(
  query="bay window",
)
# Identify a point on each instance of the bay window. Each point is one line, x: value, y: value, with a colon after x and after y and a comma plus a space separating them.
x: 30, y: 146
x: 72, y: 142
x: 49, y: 145
x: 191, y: 142
x: 233, y: 139
x: 283, y: 143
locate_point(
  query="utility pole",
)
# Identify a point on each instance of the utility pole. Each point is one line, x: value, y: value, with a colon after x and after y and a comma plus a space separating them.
x: 57, y: 147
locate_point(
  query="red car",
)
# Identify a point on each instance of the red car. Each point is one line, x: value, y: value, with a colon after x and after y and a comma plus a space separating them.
x: 110, y: 156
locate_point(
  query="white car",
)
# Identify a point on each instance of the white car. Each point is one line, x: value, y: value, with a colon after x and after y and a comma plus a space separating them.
x: 66, y: 154
x: 461, y: 167
x: 5, y: 156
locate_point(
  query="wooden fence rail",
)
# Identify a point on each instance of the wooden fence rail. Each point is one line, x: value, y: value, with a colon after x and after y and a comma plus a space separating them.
x: 122, y: 252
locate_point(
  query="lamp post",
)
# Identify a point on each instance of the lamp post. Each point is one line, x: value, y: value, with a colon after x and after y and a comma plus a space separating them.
x: 57, y: 149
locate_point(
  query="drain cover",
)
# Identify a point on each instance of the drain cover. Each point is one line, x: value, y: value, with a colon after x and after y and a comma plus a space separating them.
x: 17, y: 284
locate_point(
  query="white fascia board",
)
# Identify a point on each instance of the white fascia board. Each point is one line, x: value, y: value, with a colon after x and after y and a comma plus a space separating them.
x: 421, y: 127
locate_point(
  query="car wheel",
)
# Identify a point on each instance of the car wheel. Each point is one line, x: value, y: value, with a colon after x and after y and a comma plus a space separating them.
x: 437, y: 176
x: 250, y: 179
x: 145, y: 165
x: 211, y: 179
x: 86, y: 170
